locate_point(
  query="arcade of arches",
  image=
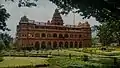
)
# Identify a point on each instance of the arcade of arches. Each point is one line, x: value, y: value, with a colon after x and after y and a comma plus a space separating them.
x: 55, y: 45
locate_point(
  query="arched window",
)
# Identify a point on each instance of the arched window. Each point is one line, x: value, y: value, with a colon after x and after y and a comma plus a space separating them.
x: 71, y: 44
x: 37, y: 35
x: 43, y: 45
x: 66, y: 35
x: 66, y: 44
x: 71, y: 35
x: 60, y: 44
x: 54, y: 44
x: 54, y: 35
x: 48, y: 35
x: 76, y: 44
x: 43, y: 35
x: 60, y: 36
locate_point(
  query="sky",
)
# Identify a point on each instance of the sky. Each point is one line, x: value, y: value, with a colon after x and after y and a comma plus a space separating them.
x: 42, y: 13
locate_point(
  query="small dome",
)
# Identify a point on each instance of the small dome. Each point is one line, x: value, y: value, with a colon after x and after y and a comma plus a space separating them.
x: 48, y: 22
x: 79, y: 24
x: 24, y: 19
x: 86, y: 24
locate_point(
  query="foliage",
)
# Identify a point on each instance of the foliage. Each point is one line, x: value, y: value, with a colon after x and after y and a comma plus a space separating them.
x: 85, y: 58
x: 6, y: 38
x: 2, y: 45
x: 3, y: 17
x: 108, y: 32
x: 102, y: 10
x: 1, y: 59
x: 94, y: 41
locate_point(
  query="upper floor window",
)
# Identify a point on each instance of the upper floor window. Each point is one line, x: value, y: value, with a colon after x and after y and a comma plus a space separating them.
x: 66, y: 36
x: 60, y: 36
x: 75, y: 36
x: 48, y: 35
x: 71, y: 35
x: 54, y: 35
x: 37, y: 35
x: 43, y: 35
x: 80, y: 36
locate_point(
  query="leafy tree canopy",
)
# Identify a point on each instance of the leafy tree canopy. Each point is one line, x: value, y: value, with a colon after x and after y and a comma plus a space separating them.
x: 102, y: 10
x: 3, y: 17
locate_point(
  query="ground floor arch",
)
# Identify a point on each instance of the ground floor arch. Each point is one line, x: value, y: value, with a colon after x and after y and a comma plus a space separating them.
x: 37, y: 45
x: 71, y: 44
x: 43, y: 45
x: 49, y: 45
x: 54, y: 44
x: 80, y: 44
x: 60, y: 44
x: 76, y: 45
x: 66, y: 44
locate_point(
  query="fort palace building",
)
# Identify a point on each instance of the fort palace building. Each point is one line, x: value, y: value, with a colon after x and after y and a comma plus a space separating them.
x: 52, y: 34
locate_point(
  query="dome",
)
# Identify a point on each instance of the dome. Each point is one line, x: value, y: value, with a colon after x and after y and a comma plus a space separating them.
x: 24, y: 19
x: 86, y: 24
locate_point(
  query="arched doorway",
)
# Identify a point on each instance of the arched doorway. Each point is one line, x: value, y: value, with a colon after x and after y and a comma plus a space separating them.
x: 60, y: 44
x: 37, y: 45
x: 76, y: 45
x: 71, y: 44
x: 66, y: 44
x: 43, y: 45
x: 54, y: 44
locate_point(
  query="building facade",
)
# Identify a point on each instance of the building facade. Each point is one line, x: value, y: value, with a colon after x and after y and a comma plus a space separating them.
x: 52, y: 34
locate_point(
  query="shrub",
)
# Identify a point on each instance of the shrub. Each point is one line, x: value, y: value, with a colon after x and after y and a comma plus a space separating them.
x: 49, y: 56
x: 1, y: 59
x: 85, y: 58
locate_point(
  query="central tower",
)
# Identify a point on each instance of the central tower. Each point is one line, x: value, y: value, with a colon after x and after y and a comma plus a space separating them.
x: 57, y: 19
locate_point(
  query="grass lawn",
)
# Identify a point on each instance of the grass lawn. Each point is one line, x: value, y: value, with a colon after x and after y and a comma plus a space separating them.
x: 22, y: 61
x: 96, y: 56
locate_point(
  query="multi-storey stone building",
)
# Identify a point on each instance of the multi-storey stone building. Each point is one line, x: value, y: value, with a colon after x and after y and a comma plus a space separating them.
x: 52, y: 34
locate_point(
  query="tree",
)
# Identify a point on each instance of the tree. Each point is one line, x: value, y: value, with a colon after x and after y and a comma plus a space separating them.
x: 3, y: 17
x: 94, y: 41
x: 108, y: 32
x: 6, y: 38
x: 2, y: 45
x: 102, y: 10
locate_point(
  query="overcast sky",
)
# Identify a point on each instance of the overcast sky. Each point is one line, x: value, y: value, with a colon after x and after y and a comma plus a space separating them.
x: 42, y: 13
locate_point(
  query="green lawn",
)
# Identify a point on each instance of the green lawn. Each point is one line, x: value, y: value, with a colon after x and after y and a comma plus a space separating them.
x: 95, y: 55
x: 22, y: 61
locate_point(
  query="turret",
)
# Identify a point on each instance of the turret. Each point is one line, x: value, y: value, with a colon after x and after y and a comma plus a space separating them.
x: 57, y: 19
x: 24, y: 19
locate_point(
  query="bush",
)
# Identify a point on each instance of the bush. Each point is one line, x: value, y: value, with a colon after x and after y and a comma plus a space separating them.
x: 1, y: 59
x: 85, y: 58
